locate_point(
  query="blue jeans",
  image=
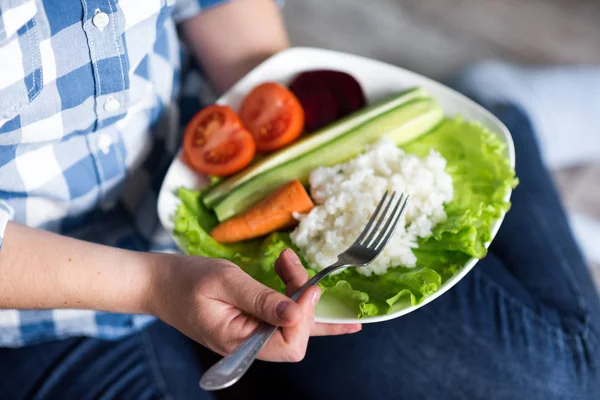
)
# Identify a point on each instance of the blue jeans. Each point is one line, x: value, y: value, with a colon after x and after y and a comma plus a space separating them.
x: 524, y: 324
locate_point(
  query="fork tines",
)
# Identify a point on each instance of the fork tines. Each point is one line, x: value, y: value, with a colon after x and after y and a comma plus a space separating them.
x: 383, y: 223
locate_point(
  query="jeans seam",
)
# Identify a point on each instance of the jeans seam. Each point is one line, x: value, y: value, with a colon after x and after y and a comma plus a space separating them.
x: 154, y: 367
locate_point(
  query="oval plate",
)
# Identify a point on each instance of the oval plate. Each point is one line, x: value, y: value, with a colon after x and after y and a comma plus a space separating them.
x: 378, y: 80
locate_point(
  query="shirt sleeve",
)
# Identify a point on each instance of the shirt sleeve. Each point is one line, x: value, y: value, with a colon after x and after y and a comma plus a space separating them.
x: 186, y: 9
x: 6, y: 214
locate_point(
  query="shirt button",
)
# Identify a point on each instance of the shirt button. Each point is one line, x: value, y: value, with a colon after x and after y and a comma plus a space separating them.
x: 111, y: 105
x: 100, y: 20
x: 104, y: 142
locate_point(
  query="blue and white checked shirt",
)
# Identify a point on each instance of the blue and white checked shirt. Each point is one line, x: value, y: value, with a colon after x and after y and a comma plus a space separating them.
x: 89, y: 123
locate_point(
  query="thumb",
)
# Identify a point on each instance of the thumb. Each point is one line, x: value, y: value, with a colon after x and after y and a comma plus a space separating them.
x: 266, y: 304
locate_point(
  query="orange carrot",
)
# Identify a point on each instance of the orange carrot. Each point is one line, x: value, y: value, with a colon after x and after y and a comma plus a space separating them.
x: 269, y: 215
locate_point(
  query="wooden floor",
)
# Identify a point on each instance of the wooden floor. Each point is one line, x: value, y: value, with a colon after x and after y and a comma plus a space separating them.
x: 438, y: 37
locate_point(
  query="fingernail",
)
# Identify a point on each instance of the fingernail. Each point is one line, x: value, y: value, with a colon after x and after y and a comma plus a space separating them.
x: 281, y: 308
x: 316, y: 296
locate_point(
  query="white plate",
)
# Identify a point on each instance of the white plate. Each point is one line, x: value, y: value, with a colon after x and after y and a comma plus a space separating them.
x: 378, y: 80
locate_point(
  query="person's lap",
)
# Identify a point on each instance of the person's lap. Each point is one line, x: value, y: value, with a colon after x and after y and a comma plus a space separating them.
x: 523, y: 324
x: 158, y: 363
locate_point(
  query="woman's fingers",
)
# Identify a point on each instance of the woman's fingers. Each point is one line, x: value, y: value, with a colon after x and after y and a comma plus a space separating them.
x: 293, y: 274
x: 334, y: 329
x: 289, y: 343
x: 291, y: 271
x: 296, y: 319
x: 266, y: 304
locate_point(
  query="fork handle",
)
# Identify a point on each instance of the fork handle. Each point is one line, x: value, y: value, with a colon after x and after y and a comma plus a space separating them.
x: 232, y: 367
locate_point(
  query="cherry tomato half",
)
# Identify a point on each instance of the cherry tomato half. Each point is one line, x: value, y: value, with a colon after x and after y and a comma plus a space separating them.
x: 274, y: 116
x: 216, y: 143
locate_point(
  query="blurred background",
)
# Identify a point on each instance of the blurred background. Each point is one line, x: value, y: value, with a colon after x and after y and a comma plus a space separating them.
x: 438, y: 37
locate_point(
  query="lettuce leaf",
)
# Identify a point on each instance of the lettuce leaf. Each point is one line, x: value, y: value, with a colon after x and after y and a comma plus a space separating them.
x: 481, y: 175
x: 193, y: 222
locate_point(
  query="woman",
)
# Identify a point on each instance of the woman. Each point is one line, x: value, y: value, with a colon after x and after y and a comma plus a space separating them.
x: 88, y: 124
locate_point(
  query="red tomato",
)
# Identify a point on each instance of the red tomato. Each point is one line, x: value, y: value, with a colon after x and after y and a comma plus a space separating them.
x: 215, y: 142
x: 273, y: 115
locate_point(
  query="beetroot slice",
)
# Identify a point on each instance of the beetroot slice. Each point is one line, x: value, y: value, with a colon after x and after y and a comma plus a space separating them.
x: 320, y: 107
x: 326, y: 96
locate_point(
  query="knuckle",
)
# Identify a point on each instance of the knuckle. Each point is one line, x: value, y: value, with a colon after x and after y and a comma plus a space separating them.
x: 228, y: 272
x: 262, y: 299
x: 227, y: 267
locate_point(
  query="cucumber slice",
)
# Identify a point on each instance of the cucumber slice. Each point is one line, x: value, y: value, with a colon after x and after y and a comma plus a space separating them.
x: 402, y: 124
x: 308, y: 143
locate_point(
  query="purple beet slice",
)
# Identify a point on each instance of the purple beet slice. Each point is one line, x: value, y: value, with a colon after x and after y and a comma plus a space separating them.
x: 320, y: 106
x: 327, y: 95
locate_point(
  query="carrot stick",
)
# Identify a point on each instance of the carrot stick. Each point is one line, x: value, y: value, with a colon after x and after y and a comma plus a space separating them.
x: 269, y: 215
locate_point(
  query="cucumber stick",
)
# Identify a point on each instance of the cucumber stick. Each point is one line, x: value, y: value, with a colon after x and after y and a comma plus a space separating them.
x: 401, y: 124
x: 308, y: 143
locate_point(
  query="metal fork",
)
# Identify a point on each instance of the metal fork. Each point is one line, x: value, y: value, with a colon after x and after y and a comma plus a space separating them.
x: 362, y: 252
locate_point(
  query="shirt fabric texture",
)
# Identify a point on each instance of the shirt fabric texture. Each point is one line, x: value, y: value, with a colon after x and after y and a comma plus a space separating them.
x: 90, y: 119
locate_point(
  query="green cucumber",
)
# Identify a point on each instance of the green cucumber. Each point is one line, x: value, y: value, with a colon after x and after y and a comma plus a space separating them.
x: 308, y: 143
x: 401, y: 124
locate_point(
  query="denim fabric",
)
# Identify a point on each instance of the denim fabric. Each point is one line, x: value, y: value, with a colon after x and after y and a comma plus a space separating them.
x: 157, y: 363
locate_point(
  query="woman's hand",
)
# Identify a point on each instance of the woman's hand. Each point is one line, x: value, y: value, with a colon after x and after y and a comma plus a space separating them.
x: 212, y: 301
x: 218, y: 305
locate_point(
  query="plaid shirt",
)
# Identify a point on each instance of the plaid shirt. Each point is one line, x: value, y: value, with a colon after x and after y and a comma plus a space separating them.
x: 88, y: 127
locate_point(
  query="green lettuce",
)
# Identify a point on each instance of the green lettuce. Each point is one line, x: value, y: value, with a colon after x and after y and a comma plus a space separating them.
x: 481, y: 174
